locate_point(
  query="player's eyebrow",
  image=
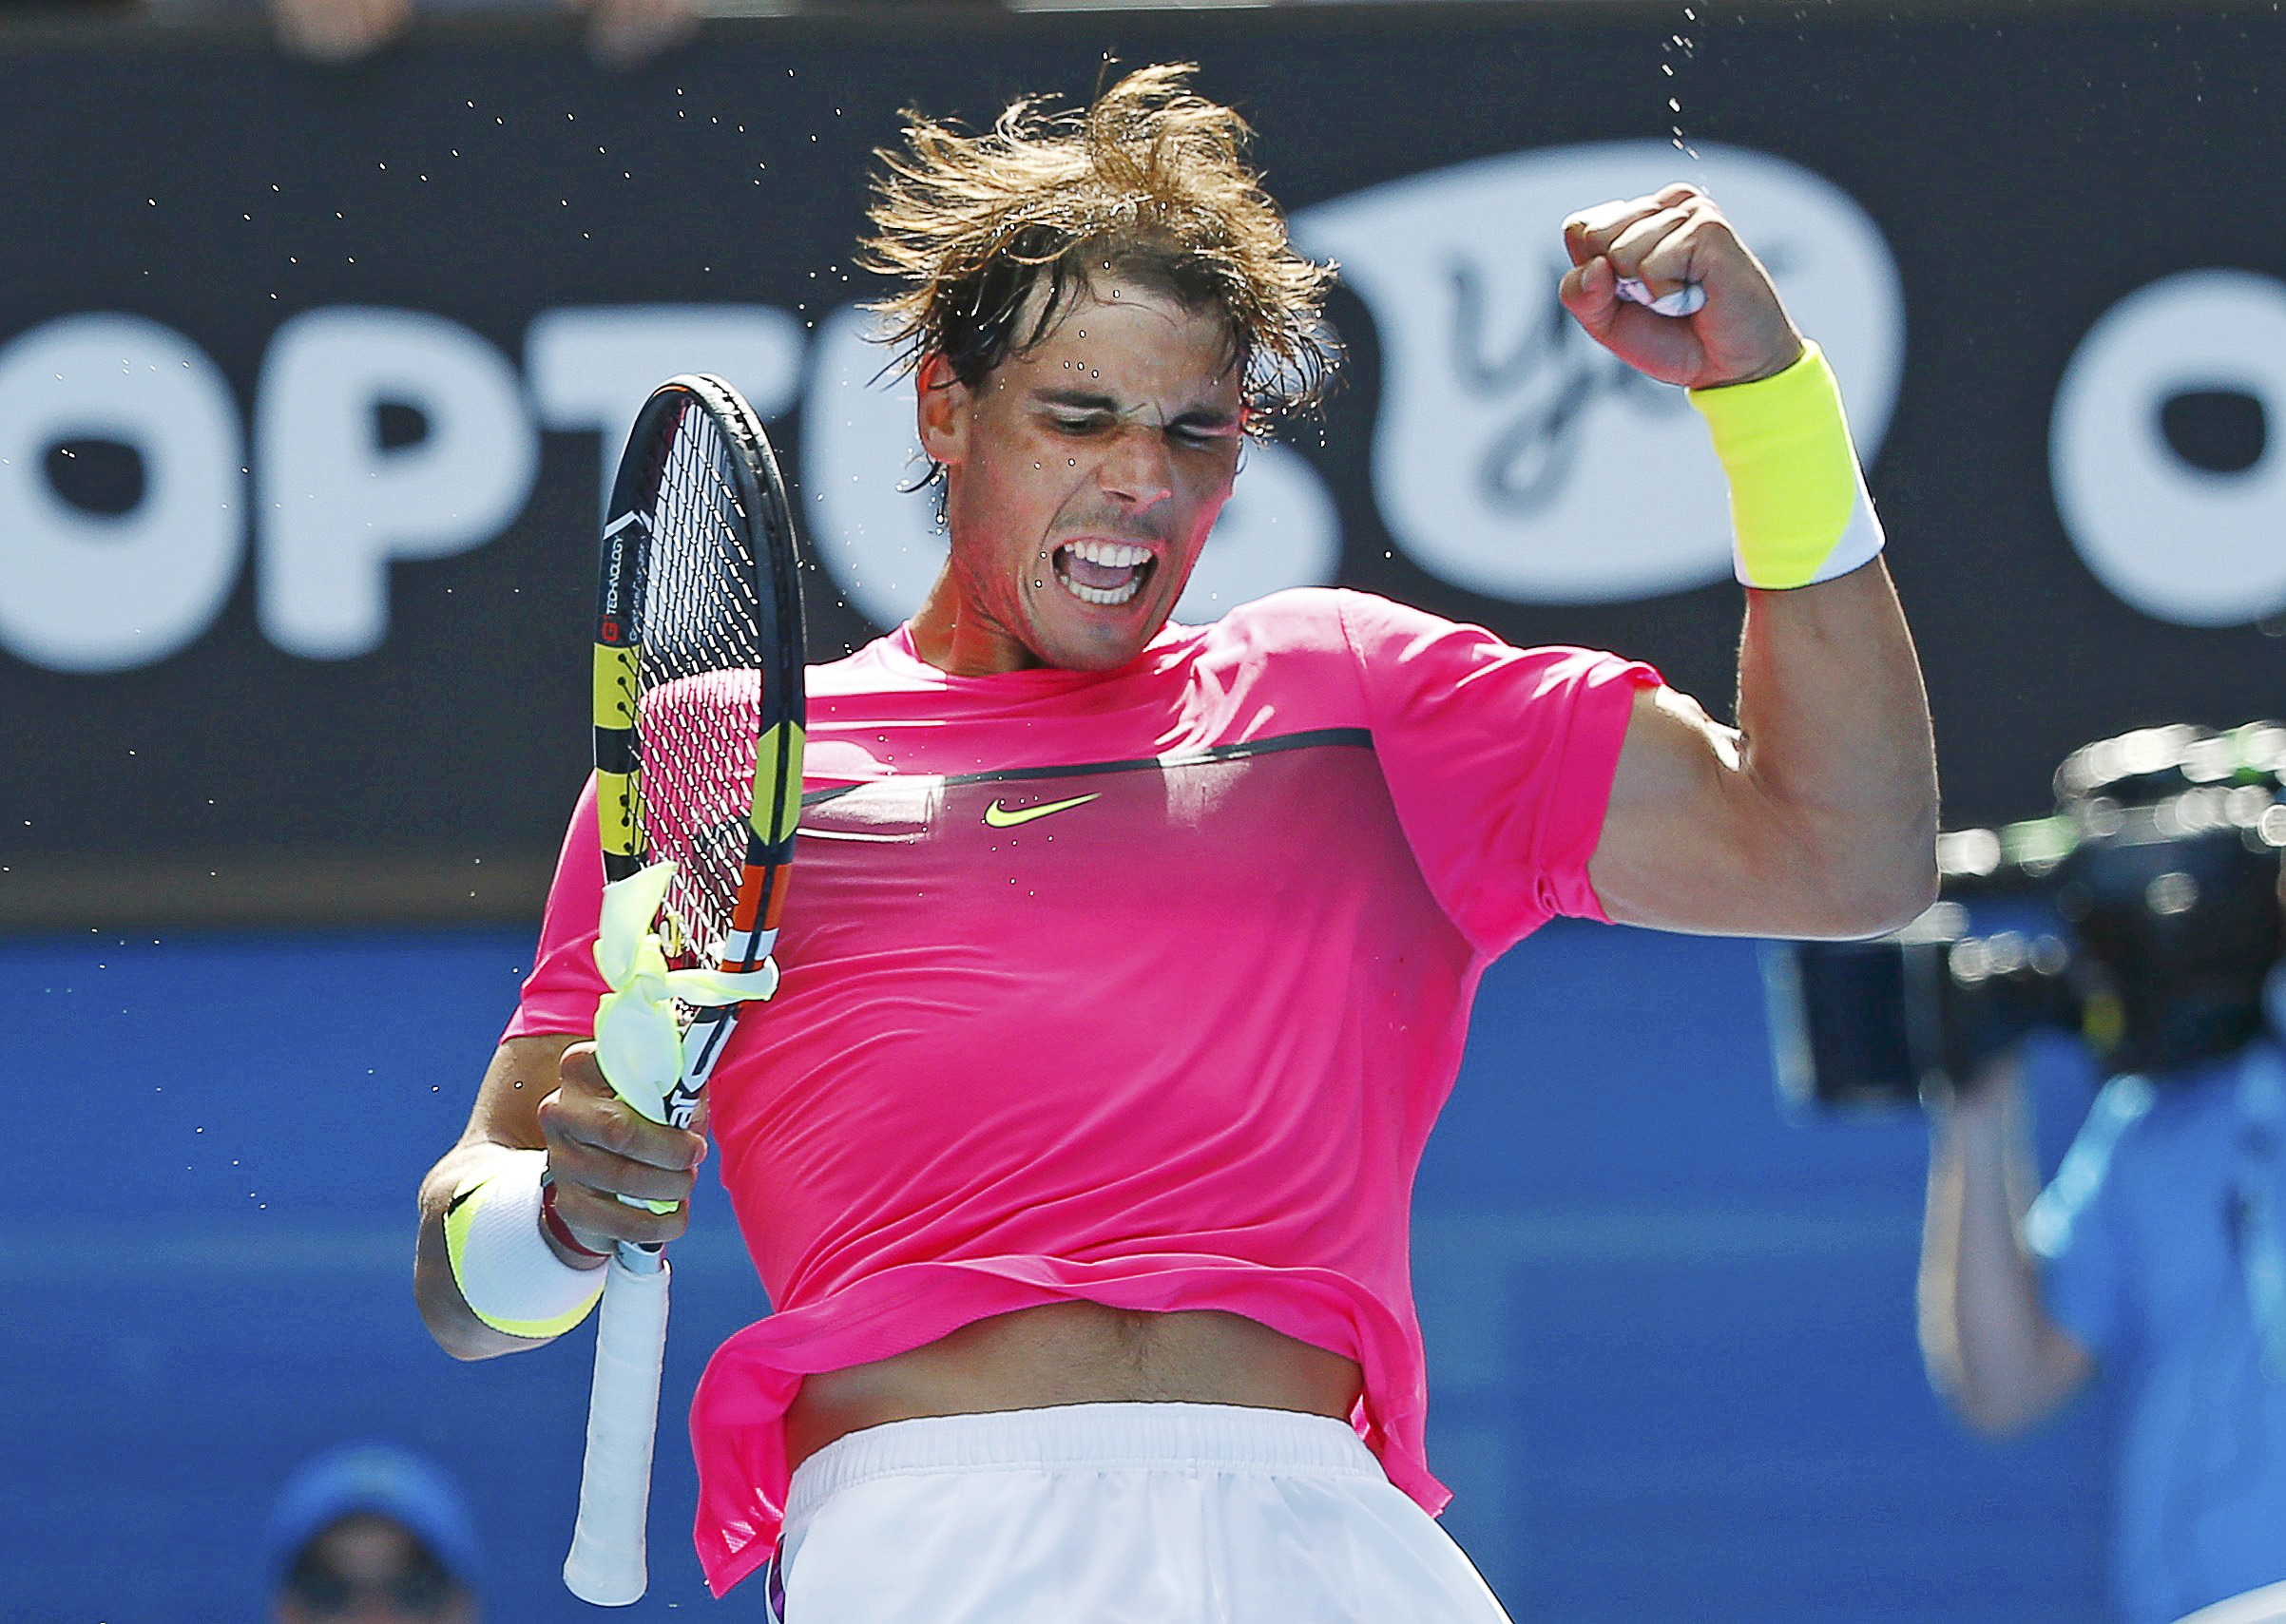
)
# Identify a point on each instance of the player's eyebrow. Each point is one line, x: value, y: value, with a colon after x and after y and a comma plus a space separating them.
x: 1210, y: 420
x: 1206, y: 419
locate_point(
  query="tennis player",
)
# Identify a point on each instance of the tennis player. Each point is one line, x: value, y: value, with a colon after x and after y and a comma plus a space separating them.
x: 1128, y: 964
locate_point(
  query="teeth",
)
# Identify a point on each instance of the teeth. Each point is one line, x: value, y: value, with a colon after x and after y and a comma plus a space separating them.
x: 1118, y: 555
x: 1100, y: 554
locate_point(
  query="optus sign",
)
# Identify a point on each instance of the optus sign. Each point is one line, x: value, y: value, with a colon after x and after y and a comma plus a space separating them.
x: 1511, y: 457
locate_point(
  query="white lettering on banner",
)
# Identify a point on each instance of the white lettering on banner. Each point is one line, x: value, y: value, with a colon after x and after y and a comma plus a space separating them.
x: 336, y: 508
x: 592, y: 367
x: 1511, y: 457
x: 1281, y: 528
x: 89, y: 592
x: 859, y: 449
x: 1514, y: 457
x: 2178, y: 542
x: 879, y: 540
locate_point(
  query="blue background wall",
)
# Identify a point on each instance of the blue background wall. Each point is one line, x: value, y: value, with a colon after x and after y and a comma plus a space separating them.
x: 1670, y: 1330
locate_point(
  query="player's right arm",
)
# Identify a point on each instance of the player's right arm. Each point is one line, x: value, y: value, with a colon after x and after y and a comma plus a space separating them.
x: 1991, y: 1349
x: 542, y: 1097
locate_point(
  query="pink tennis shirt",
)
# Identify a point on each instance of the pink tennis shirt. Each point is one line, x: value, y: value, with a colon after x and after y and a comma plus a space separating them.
x: 1141, y: 986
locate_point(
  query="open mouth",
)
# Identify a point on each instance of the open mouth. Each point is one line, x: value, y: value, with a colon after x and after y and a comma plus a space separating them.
x: 1103, y: 572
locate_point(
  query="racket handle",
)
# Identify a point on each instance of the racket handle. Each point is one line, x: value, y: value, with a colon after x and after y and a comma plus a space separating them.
x: 606, y: 1564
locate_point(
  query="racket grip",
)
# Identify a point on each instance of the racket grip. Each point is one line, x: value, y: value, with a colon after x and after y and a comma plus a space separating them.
x: 606, y: 1565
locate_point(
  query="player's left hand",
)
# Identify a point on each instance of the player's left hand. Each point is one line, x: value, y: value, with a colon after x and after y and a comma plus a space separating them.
x: 1677, y: 236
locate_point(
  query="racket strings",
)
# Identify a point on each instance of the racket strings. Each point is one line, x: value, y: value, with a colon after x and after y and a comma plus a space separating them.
x: 700, y: 693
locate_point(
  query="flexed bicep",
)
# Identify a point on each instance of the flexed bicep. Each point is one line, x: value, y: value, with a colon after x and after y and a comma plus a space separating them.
x: 1679, y: 847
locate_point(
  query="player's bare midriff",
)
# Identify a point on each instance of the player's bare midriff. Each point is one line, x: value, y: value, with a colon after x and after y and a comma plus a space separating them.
x: 1075, y: 1353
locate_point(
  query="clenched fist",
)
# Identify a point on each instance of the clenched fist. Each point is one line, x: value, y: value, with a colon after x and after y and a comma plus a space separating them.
x: 1673, y: 238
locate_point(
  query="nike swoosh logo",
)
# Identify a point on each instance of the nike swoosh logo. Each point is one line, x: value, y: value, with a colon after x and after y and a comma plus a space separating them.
x: 1000, y: 817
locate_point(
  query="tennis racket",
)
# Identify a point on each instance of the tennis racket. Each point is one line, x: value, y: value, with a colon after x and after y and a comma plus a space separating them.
x: 698, y: 761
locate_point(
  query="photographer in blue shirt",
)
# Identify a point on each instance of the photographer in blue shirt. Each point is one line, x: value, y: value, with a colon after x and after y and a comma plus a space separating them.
x: 2157, y: 1256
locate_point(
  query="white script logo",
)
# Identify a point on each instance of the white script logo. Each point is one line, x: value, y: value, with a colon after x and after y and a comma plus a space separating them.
x: 1513, y: 456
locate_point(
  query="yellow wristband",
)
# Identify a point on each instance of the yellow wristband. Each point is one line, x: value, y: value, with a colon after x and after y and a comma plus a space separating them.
x: 1798, y: 507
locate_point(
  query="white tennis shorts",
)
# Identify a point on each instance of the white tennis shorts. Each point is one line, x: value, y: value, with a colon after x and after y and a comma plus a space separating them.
x: 1113, y: 1514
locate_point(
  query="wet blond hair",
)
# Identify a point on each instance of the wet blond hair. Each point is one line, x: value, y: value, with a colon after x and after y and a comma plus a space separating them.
x: 1148, y: 185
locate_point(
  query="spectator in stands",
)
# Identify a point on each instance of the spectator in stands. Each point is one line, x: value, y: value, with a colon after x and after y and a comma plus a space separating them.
x: 371, y: 1532
x: 621, y: 34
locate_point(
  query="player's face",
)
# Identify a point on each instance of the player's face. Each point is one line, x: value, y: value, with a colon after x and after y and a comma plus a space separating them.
x: 1082, y: 477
